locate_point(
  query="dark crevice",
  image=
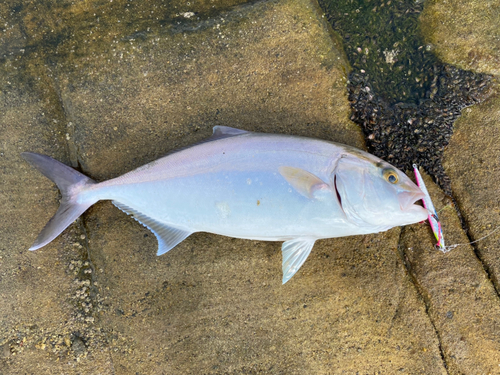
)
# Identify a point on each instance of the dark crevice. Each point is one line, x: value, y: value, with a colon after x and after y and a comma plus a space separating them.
x: 465, y: 225
x: 83, y: 229
x: 87, y: 271
x: 421, y: 294
x: 68, y: 126
x: 111, y: 362
x: 486, y: 268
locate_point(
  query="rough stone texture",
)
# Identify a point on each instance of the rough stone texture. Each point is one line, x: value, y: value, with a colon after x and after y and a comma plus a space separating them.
x: 265, y: 67
x: 464, y: 33
x: 98, y: 300
x: 216, y: 305
x: 472, y: 160
x: 68, y: 27
x: 38, y: 316
x: 462, y: 302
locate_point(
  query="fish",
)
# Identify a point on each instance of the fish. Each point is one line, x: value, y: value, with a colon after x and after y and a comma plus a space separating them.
x: 249, y: 185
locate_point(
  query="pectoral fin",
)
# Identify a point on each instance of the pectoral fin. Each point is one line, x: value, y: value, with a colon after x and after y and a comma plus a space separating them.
x: 167, y: 236
x: 295, y: 253
x: 303, y: 181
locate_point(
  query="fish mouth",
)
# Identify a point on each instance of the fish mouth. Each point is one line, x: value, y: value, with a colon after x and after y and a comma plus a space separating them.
x: 407, y: 201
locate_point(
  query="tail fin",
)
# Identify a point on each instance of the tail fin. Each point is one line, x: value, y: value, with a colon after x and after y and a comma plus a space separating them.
x: 70, y: 182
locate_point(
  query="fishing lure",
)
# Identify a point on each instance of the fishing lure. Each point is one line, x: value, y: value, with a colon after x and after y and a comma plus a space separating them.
x: 433, y: 217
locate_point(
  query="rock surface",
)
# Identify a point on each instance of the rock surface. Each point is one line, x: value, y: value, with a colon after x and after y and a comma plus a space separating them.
x: 264, y: 67
x: 467, y: 34
x: 117, y: 95
x: 464, y: 33
x: 472, y: 160
x: 461, y: 299
x: 39, y: 319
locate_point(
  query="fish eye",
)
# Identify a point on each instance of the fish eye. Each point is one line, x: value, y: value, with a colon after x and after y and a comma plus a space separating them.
x: 391, y: 176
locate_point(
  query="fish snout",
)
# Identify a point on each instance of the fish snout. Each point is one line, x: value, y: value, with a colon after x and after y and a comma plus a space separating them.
x: 407, y: 199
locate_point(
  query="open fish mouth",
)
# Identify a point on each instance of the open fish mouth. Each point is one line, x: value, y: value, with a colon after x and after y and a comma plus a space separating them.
x: 407, y: 200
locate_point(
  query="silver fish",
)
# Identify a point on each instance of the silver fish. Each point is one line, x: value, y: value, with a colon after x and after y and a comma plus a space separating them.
x: 247, y: 185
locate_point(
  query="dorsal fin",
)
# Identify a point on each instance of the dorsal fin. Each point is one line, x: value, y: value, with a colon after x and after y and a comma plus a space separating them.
x: 220, y: 131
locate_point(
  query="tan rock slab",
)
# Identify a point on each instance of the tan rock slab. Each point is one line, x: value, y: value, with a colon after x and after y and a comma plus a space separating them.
x: 38, y: 290
x: 472, y: 160
x: 462, y: 302
x: 269, y: 67
x: 215, y: 304
x: 464, y: 33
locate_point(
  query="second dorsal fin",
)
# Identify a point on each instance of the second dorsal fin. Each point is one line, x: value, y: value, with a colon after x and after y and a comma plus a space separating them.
x: 220, y: 131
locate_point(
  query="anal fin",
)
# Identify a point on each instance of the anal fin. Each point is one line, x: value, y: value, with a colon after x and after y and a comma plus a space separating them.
x: 295, y: 253
x: 168, y: 237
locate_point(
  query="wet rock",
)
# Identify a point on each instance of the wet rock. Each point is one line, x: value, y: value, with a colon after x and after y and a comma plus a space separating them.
x: 119, y: 98
x: 215, y: 303
x: 461, y: 300
x: 382, y: 42
x: 401, y: 95
x: 66, y: 28
x: 464, y: 33
x: 243, y: 69
x: 220, y: 301
x: 472, y: 160
x: 5, y: 351
x: 405, y: 134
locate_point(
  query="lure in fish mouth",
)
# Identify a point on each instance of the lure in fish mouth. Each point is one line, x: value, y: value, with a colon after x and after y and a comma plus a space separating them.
x: 247, y: 185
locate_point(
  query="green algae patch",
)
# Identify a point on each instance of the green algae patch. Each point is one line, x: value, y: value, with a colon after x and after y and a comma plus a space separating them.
x: 382, y: 41
x: 464, y: 33
x: 402, y: 96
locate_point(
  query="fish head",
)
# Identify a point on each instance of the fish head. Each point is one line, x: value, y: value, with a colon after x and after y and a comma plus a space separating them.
x: 374, y: 193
